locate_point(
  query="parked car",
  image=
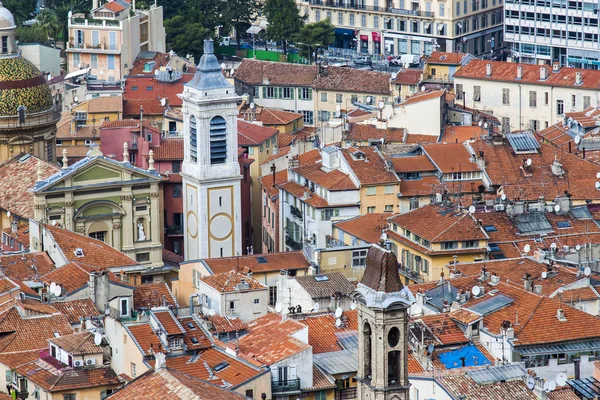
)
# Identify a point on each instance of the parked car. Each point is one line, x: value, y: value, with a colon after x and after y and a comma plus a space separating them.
x: 363, y: 60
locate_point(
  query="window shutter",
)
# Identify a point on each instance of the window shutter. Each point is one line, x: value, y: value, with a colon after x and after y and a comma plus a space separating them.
x: 8, y: 376
x: 291, y: 93
x: 292, y: 372
x: 274, y: 373
x: 264, y: 92
x: 309, y: 93
x: 280, y: 90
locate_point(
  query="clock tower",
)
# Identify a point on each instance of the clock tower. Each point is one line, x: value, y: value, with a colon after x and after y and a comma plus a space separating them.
x: 211, y: 172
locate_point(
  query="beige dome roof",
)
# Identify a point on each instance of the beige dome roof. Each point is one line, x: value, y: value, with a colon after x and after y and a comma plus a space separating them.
x: 6, y: 18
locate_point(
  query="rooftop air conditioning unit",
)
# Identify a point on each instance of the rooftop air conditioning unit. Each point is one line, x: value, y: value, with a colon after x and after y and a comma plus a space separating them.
x: 78, y: 363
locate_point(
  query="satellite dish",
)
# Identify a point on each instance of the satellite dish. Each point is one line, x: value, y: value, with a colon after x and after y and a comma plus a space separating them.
x: 211, y: 312
x: 528, y: 162
x: 561, y: 379
x: 8, y: 213
x: 547, y: 386
x: 76, y: 99
x: 316, y: 307
x: 503, y: 197
x: 278, y: 307
x: 587, y: 271
x: 231, y: 71
x: 52, y: 287
x: 381, y: 105
x: 485, y: 125
x: 577, y: 139
x: 223, y: 66
x: 422, y: 88
x: 530, y: 383
x: 368, y: 99
x: 353, y: 306
x: 252, y: 106
x: 526, y: 248
x: 475, y: 291
x: 544, y: 274
x: 69, y: 14
x: 578, y: 247
x: 598, y: 175
x: 480, y: 123
x: 557, y: 208
x: 97, y: 339
x: 57, y: 291
x: 54, y: 222
x: 338, y: 322
x: 551, y: 385
x: 472, y: 210
x: 598, y: 185
x: 338, y: 312
x: 163, y: 102
x: 430, y: 348
x: 553, y: 246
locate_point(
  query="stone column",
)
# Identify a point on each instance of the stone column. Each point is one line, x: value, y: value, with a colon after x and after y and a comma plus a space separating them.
x: 116, y: 233
x: 127, y: 220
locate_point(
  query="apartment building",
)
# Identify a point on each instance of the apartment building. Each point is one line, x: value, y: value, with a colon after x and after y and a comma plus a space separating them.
x: 524, y: 96
x: 543, y: 31
x: 109, y: 40
x: 411, y: 27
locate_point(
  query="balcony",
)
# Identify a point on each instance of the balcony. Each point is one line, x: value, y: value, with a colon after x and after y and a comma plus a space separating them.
x: 296, y: 212
x: 346, y: 394
x: 172, y: 230
x: 411, y: 274
x: 356, y: 6
x: 110, y: 48
x: 291, y: 385
x: 443, y: 79
x: 292, y: 244
x: 48, y: 117
x: 93, y: 22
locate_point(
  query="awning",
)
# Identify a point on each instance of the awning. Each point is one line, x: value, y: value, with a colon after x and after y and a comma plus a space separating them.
x: 376, y: 37
x: 75, y: 74
x: 574, y: 347
x: 254, y: 29
x: 364, y: 37
x: 441, y: 27
x: 427, y: 25
x: 343, y: 31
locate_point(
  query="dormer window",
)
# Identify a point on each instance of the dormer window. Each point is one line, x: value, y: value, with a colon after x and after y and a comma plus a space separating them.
x: 124, y: 307
x: 175, y: 343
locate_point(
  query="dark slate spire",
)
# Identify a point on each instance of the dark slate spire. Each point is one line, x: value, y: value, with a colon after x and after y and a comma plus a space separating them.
x: 208, y: 72
x: 381, y: 273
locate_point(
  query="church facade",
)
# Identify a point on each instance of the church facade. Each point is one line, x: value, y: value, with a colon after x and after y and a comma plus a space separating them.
x: 210, y: 171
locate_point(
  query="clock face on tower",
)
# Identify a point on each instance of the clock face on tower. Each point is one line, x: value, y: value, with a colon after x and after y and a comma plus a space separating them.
x: 192, y: 224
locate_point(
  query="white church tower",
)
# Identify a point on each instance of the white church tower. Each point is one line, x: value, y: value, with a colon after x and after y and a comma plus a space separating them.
x: 211, y: 172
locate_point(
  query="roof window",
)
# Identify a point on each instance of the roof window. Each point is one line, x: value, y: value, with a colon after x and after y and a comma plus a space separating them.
x: 221, y: 366
x: 78, y: 252
x: 321, y: 278
x: 490, y: 228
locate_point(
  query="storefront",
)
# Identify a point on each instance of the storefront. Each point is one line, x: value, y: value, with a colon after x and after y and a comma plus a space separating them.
x: 344, y: 38
x: 376, y: 43
x: 364, y: 44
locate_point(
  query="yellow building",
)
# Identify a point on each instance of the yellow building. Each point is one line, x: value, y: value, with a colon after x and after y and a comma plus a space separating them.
x: 406, y: 83
x: 284, y: 121
x: 428, y: 238
x: 440, y: 67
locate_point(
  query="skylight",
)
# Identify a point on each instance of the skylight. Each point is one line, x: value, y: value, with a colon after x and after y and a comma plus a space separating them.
x: 563, y: 224
x: 190, y: 325
x: 490, y: 228
x: 321, y: 278
x: 221, y: 366
x: 194, y: 340
x: 261, y: 260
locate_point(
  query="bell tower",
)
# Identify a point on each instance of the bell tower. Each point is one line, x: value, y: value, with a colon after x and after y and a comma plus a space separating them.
x: 211, y: 172
x: 383, y: 319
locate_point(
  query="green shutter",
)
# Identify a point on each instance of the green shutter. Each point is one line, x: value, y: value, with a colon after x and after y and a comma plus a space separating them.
x: 309, y: 93
x: 291, y: 93
x: 264, y: 92
x: 299, y: 93
x: 280, y: 90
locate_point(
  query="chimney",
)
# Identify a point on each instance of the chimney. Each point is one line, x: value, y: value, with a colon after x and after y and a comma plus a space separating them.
x: 555, y: 67
x: 543, y: 73
x: 578, y: 78
x: 92, y: 286
x: 519, y: 72
x: 537, y: 289
x: 164, y: 300
x: 527, y: 285
x: 442, y: 278
x: 488, y: 69
x: 160, y: 361
x: 560, y: 315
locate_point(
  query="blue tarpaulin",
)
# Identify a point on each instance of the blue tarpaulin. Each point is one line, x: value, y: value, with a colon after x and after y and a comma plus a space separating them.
x: 473, y: 357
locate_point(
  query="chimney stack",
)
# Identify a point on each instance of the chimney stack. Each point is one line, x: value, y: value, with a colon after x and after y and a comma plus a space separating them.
x: 555, y: 67
x: 543, y: 73
x: 519, y: 72
x: 488, y: 69
x: 578, y: 78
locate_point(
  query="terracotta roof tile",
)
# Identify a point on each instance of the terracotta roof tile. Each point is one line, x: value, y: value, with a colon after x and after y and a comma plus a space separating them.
x: 353, y: 80
x: 271, y: 116
x: 335, y: 282
x: 17, y: 178
x: 134, y: 98
x: 459, y: 385
x: 96, y: 253
x: 268, y: 185
x: 269, y: 339
x: 460, y: 134
x: 170, y: 384
x: 367, y: 227
x: 168, y: 322
x: 274, y: 262
x: 425, y: 186
x: 232, y: 281
x: 145, y: 338
x: 450, y: 158
x: 70, y: 277
x: 507, y: 72
x: 77, y: 343
x: 440, y: 57
x: 408, y: 77
x: 413, y: 138
x: 332, y: 180
x: 444, y: 328
x: 253, y: 134
x: 225, y: 324
x: 322, y: 330
x: 414, y: 367
x: 105, y: 104
x: 194, y: 332
x: 170, y: 257
x: 412, y: 164
x: 19, y: 266
x: 371, y: 168
x: 422, y: 96
x: 76, y: 310
x: 114, y: 7
x: 368, y: 132
x: 314, y: 200
x: 281, y: 152
x: 150, y: 295
x: 21, y: 236
x: 169, y: 149
x: 310, y: 157
x: 7, y: 285
x: 321, y: 380
x: 562, y: 393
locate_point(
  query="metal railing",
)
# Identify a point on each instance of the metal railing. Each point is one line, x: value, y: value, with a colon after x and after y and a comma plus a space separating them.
x: 295, y: 211
x: 49, y: 116
x: 292, y: 244
x: 174, y: 230
x: 411, y: 274
x: 285, y: 386
x: 438, y: 78
x: 346, y: 394
x: 364, y: 7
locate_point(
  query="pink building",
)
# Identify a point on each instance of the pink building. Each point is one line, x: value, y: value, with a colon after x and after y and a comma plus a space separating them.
x: 270, y: 212
x: 113, y: 134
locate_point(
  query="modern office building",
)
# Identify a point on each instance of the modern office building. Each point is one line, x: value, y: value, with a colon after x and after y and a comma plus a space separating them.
x: 411, y: 26
x: 544, y: 31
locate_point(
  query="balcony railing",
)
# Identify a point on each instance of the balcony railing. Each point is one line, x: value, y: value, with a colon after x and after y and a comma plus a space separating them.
x: 292, y: 244
x: 291, y: 385
x: 411, y: 274
x: 93, y: 22
x: 296, y: 212
x: 174, y: 230
x: 346, y: 394
x: 93, y: 46
x: 358, y: 6
x: 49, y: 116
x: 438, y: 78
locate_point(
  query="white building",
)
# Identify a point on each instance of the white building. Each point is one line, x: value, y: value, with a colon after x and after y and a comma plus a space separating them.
x: 234, y: 294
x: 432, y: 104
x: 526, y: 97
x: 329, y: 291
x: 211, y: 172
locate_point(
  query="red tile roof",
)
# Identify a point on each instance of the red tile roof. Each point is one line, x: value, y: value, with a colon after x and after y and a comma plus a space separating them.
x: 168, y: 322
x: 150, y: 99
x: 310, y: 157
x: 333, y: 180
x: 414, y: 367
x: 267, y: 182
x: 369, y: 132
x: 440, y: 57
x: 20, y: 266
x: 151, y: 295
x: 195, y: 331
x: 444, y: 328
x: 76, y: 310
x: 275, y: 262
x: 422, y: 96
x: 314, y: 200
x: 370, y: 168
x: 169, y: 384
x: 429, y: 223
x: 145, y: 338
x: 450, y: 158
x: 460, y: 134
x: 271, y: 116
x: 231, y: 281
x: 105, y: 104
x: 225, y: 324
x: 169, y: 149
x: 17, y: 178
x: 253, y: 134
x: 321, y: 380
x: 459, y: 385
x: 114, y: 7
x: 425, y: 186
x: 412, y: 164
x: 21, y: 236
x: 281, y: 151
x: 408, y: 77
x: 367, y: 227
x: 413, y: 138
x: 322, y: 330
x: 70, y: 277
x: 270, y: 340
x: 78, y: 343
x: 353, y: 80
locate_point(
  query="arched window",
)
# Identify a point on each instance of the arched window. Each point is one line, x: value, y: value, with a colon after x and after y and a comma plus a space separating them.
x: 193, y: 140
x: 367, y: 350
x: 218, y: 140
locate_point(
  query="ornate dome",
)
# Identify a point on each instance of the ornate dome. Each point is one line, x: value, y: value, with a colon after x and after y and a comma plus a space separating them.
x: 6, y: 18
x: 22, y: 84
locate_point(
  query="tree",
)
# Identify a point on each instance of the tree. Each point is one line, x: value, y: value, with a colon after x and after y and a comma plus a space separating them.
x: 241, y: 13
x: 284, y: 20
x: 315, y: 36
x: 48, y: 22
x: 186, y: 37
x: 62, y: 13
x: 22, y: 10
x: 31, y: 34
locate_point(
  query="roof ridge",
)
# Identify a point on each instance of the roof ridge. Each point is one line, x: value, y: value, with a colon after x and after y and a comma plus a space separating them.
x: 451, y: 225
x: 532, y: 314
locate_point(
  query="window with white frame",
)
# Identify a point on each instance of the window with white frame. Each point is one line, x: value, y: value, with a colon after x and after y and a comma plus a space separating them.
x: 175, y: 343
x: 359, y: 258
